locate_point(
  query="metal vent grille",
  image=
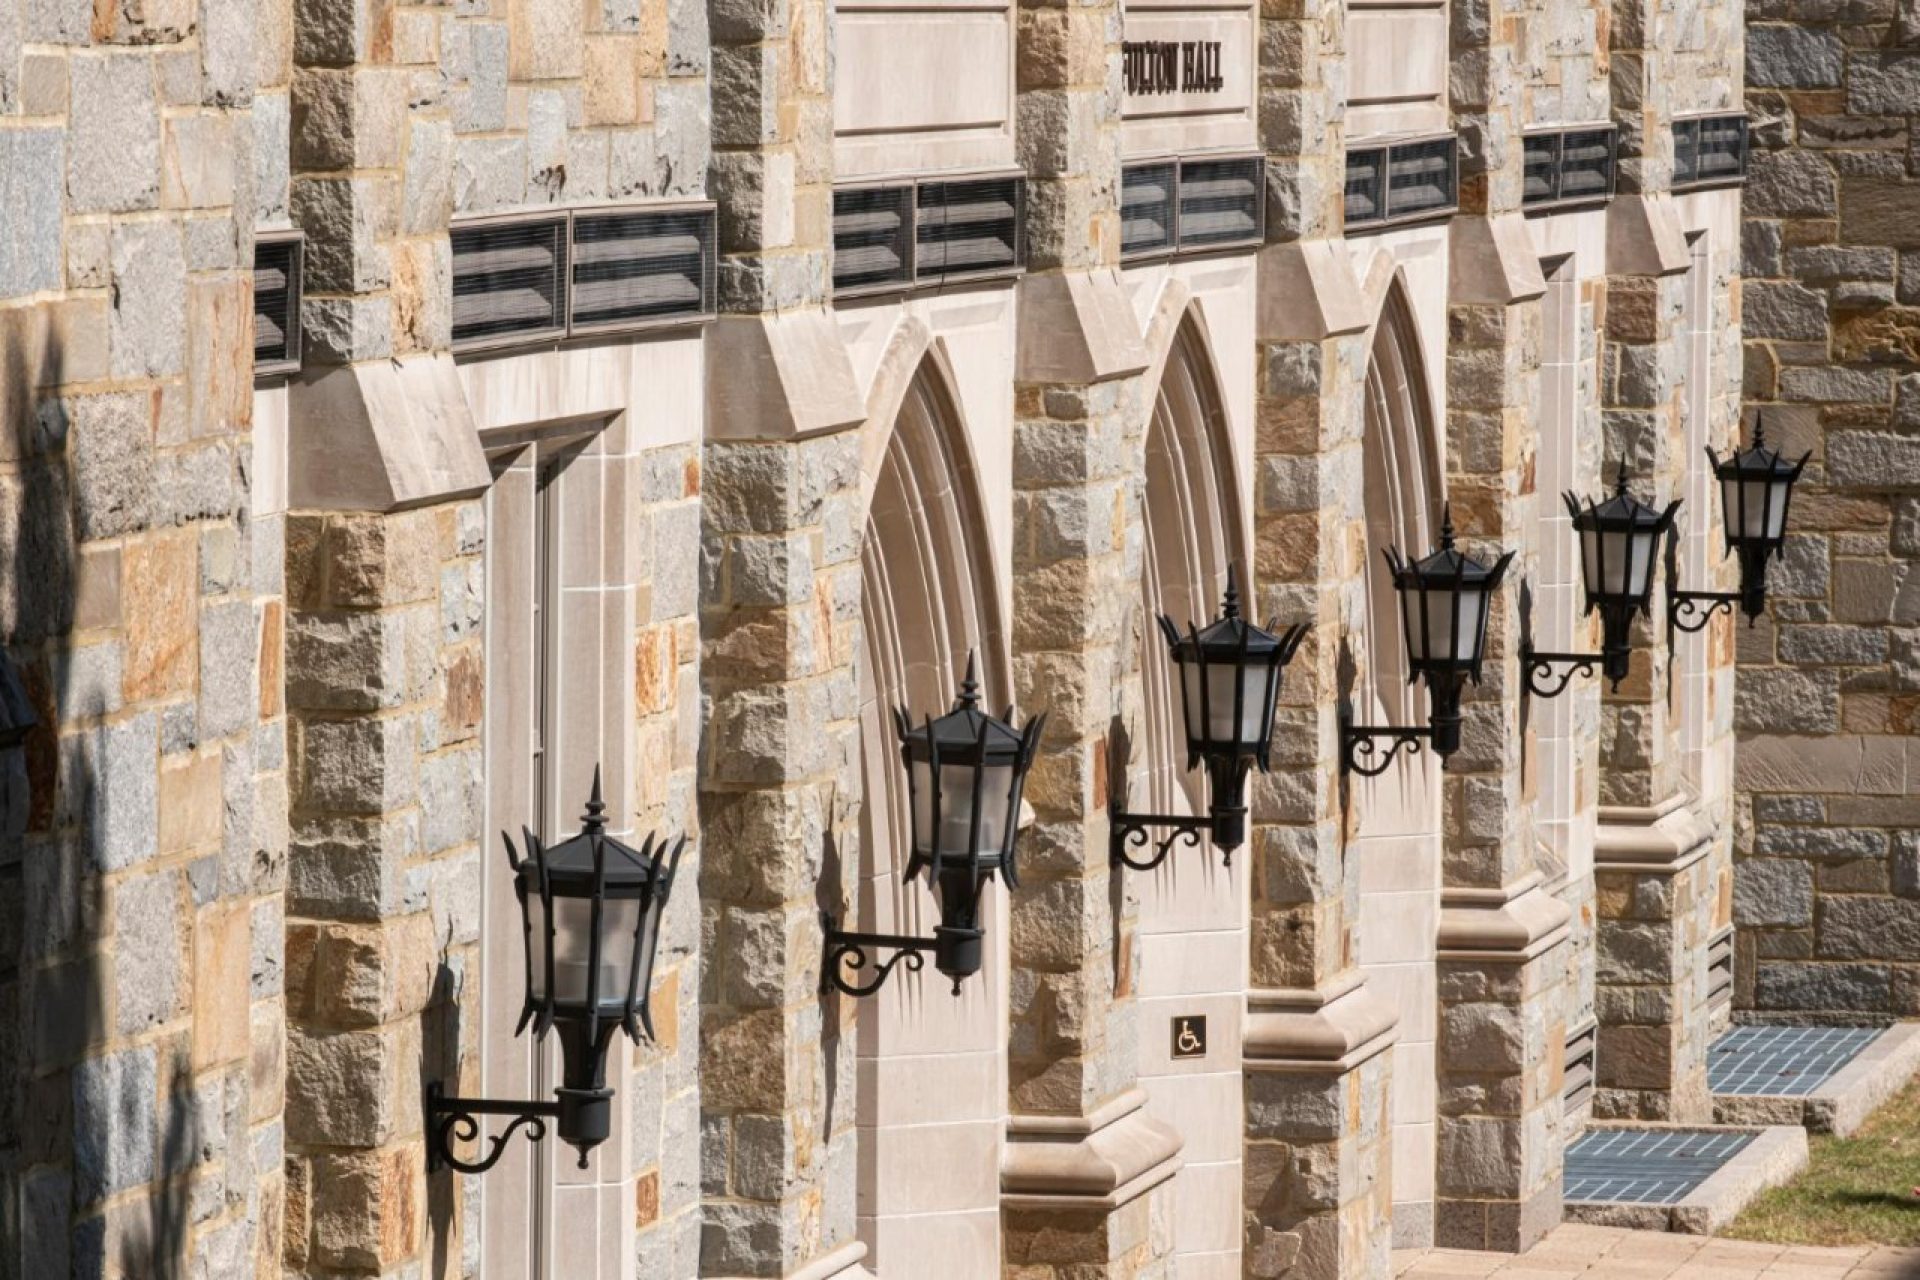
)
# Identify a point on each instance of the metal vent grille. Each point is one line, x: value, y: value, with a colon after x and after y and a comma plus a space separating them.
x: 1220, y: 202
x: 1421, y: 178
x: 872, y: 237
x: 1569, y: 166
x: 1709, y: 150
x: 509, y: 280
x: 1541, y: 168
x: 1147, y: 208
x: 1782, y: 1062
x: 1581, y: 1061
x: 968, y: 228
x: 1646, y: 1166
x: 638, y: 266
x: 1720, y: 970
x: 276, y: 305
x: 1366, y: 185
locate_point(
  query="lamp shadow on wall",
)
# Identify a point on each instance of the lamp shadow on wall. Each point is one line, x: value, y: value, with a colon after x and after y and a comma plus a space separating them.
x: 440, y: 1061
x: 1346, y: 680
x: 1119, y: 753
x: 828, y: 900
x: 1524, y: 623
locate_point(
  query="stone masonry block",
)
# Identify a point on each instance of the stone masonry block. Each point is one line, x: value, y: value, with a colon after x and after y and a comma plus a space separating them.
x: 113, y: 136
x: 31, y: 164
x: 114, y: 1101
x: 112, y: 439
x: 150, y: 294
x: 364, y: 766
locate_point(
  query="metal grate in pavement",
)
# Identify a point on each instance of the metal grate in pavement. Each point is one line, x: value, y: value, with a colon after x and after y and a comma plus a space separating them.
x: 1646, y: 1166
x: 1782, y: 1061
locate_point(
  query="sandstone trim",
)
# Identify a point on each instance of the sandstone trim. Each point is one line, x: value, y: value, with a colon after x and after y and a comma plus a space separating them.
x: 1644, y: 236
x: 1097, y: 1161
x: 1308, y: 291
x: 787, y: 376
x: 1077, y: 327
x: 1328, y: 1030
x: 1510, y: 925
x: 382, y: 435
x: 1666, y: 837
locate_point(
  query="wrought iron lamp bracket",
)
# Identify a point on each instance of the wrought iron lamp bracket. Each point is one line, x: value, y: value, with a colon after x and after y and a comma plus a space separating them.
x: 843, y: 948
x: 1132, y: 829
x: 1358, y: 752
x: 1535, y: 663
x: 450, y: 1120
x: 1690, y: 611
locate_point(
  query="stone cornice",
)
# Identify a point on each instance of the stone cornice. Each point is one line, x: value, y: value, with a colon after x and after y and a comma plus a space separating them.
x: 1308, y: 291
x: 1077, y: 327
x: 1492, y: 261
x: 1098, y: 1161
x: 1509, y: 925
x: 382, y: 435
x: 780, y: 376
x: 1644, y: 236
x: 1325, y: 1030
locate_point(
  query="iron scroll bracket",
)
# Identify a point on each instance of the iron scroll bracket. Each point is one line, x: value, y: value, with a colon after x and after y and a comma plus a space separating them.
x: 450, y: 1120
x: 1690, y: 611
x: 1535, y: 664
x: 1134, y: 829
x: 852, y: 949
x: 1360, y: 754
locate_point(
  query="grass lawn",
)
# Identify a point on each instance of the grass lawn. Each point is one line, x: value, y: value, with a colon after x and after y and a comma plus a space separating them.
x: 1857, y: 1190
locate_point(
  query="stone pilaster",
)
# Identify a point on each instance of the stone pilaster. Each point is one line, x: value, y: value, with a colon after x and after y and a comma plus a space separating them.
x: 1083, y: 1179
x: 142, y: 841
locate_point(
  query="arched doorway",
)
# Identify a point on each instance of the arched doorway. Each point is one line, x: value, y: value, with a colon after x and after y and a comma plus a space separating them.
x: 1193, y: 911
x: 926, y: 1059
x: 1397, y: 827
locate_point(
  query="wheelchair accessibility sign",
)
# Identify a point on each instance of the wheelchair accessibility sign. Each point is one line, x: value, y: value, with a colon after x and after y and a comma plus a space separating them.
x: 1190, y: 1036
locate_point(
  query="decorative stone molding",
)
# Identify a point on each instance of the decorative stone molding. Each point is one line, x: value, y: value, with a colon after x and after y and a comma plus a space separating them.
x: 1329, y: 1029
x: 1493, y: 261
x: 1077, y: 327
x: 845, y: 1263
x: 1099, y: 1161
x: 1308, y: 291
x: 788, y: 376
x: 1512, y: 924
x: 1644, y: 236
x: 382, y: 435
x: 1670, y: 836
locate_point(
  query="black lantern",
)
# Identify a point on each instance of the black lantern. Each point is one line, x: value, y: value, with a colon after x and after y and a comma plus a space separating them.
x: 590, y: 908
x: 1619, y: 555
x: 1446, y: 600
x: 965, y: 773
x: 1756, y: 489
x: 1230, y: 674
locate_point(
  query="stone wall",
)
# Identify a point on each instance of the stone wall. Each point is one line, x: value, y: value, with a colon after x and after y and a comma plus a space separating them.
x: 1829, y: 696
x: 140, y: 882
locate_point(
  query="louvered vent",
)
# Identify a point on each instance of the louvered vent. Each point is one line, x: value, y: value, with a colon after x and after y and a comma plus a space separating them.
x: 1220, y: 202
x: 1686, y: 152
x: 276, y: 305
x: 1720, y: 970
x: 1581, y: 1057
x: 872, y: 237
x: 968, y: 228
x: 1366, y: 185
x: 1722, y: 149
x: 1147, y: 208
x: 1421, y: 178
x: 509, y: 280
x: 635, y: 267
x: 1569, y: 166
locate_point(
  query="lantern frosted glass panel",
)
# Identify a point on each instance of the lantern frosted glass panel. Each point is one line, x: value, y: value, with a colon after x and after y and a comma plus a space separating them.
x: 1616, y: 563
x: 957, y: 836
x: 537, y: 944
x: 573, y: 943
x: 1437, y: 641
x: 1220, y: 726
x: 1755, y: 508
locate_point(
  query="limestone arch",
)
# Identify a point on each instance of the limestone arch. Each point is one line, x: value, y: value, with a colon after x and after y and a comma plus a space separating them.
x: 928, y: 598
x: 1396, y: 824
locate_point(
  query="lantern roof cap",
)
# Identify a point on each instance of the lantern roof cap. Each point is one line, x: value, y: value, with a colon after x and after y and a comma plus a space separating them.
x: 967, y: 734
x: 1757, y: 461
x: 591, y: 852
x: 1228, y: 636
x: 1622, y: 512
x: 1448, y: 565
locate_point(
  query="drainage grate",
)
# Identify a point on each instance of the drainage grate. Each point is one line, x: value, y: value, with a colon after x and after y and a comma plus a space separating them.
x: 1789, y: 1062
x: 1646, y: 1166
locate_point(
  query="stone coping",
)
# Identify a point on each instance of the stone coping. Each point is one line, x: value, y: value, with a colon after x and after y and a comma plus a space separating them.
x: 1775, y: 1156
x: 1844, y: 1100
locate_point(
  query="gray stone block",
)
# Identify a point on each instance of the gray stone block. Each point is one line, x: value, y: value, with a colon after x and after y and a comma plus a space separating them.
x: 359, y: 766
x: 1772, y: 891
x: 1873, y: 459
x: 113, y: 134
x: 229, y: 688
x: 450, y: 800
x: 1821, y: 842
x: 1833, y: 645
x: 1884, y: 83
x: 31, y: 165
x: 1784, y: 310
x: 1831, y: 384
x: 1856, y: 927
x: 146, y: 335
x: 113, y: 1123
x: 147, y: 948
x: 1794, y: 57
x: 271, y: 126
x: 114, y: 789
x: 112, y: 441
x: 227, y: 50
x: 196, y: 484
x: 1792, y: 184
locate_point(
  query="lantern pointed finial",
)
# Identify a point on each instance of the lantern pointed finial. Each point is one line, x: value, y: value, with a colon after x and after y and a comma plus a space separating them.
x: 1446, y: 527
x: 1620, y: 482
x: 1230, y: 602
x: 1759, y: 429
x: 596, y: 808
x: 970, y: 683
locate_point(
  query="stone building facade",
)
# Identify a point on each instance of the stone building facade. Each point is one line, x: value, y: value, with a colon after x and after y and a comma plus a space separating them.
x: 1829, y: 884
x: 681, y: 385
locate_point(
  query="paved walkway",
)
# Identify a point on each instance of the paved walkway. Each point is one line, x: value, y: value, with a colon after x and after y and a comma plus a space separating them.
x: 1618, y: 1254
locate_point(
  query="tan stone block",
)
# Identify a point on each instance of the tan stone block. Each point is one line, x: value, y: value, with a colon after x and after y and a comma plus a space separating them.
x: 653, y: 38
x: 613, y: 81
x: 366, y: 1207
x: 222, y: 974
x: 297, y: 1209
x: 374, y: 560
x: 273, y: 658
x: 654, y: 662
x: 96, y: 599
x: 466, y: 690
x: 664, y: 1008
x: 220, y: 355
x: 266, y: 1061
x: 646, y: 1199
x: 159, y: 585
x: 191, y: 803
x: 544, y: 39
